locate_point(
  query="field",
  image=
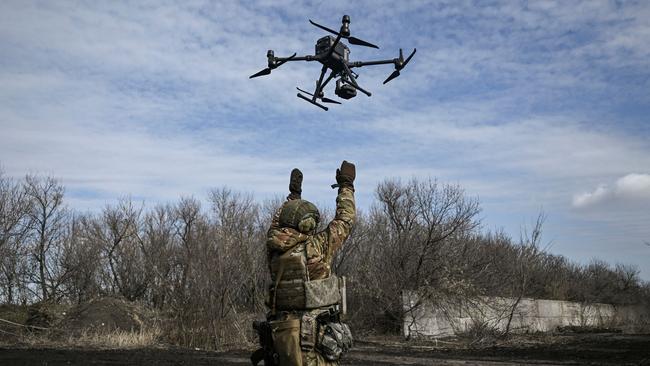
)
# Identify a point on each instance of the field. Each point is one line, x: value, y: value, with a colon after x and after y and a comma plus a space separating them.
x: 573, y: 349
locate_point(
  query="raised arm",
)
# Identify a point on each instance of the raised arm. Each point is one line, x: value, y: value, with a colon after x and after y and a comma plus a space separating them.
x: 276, y: 238
x: 328, y: 241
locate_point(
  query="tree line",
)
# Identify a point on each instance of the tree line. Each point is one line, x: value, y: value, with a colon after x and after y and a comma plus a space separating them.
x: 203, y: 265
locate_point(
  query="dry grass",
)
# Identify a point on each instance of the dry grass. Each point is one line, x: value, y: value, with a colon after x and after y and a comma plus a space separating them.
x: 145, y: 337
x: 116, y: 339
x: 103, y: 324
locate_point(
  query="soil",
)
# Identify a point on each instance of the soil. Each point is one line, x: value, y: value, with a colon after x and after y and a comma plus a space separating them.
x: 574, y: 349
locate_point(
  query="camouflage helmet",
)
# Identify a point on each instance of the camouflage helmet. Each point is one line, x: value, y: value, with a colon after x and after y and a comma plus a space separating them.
x: 301, y: 215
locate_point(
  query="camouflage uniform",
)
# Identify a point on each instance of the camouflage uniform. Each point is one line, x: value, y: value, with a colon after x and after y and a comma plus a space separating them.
x: 320, y: 249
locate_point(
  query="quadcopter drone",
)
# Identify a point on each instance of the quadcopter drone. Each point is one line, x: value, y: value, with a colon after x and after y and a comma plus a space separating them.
x: 334, y: 55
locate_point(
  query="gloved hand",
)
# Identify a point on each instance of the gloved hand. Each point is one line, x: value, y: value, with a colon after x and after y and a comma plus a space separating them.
x: 346, y: 174
x: 295, y: 185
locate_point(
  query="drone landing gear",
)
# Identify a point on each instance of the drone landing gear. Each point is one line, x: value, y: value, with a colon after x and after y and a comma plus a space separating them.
x: 318, y: 93
x: 312, y: 102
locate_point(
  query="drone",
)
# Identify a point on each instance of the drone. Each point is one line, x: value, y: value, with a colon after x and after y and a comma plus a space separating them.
x: 334, y: 55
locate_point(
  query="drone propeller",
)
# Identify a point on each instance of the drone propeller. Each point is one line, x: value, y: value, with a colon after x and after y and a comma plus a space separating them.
x: 261, y: 73
x: 392, y: 76
x: 360, y: 42
x: 324, y: 99
x: 400, y: 64
x: 271, y: 67
x: 352, y: 40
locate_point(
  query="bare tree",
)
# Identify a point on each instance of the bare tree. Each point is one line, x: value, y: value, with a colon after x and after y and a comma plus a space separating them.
x: 15, y: 207
x: 159, y: 246
x: 527, y: 257
x: 49, y: 217
x: 116, y: 231
x: 241, y: 258
x: 81, y: 260
x: 190, y: 226
x: 627, y: 284
x: 413, y: 235
x: 15, y: 224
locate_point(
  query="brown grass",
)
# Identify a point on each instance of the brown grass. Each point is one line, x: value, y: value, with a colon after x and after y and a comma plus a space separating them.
x: 145, y: 337
x: 149, y: 336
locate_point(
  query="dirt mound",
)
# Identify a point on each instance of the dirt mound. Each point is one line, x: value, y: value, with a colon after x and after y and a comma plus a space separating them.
x: 14, y: 313
x: 103, y: 314
x: 44, y: 314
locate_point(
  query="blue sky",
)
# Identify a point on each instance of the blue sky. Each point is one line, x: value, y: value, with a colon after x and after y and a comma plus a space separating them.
x: 526, y: 104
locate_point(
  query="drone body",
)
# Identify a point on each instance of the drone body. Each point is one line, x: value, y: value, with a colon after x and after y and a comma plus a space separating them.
x: 334, y: 55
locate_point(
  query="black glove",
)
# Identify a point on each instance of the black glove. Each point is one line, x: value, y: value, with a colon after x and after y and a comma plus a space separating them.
x: 295, y: 184
x: 345, y: 175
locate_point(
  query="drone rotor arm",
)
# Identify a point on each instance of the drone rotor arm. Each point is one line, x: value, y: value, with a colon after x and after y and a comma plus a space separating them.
x: 372, y: 63
x: 295, y: 58
x: 275, y: 62
x: 280, y: 61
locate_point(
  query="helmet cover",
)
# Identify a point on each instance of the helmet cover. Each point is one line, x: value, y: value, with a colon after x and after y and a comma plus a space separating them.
x: 301, y: 215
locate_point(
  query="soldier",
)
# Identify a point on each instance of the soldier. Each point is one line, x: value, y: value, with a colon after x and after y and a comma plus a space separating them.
x: 306, y: 299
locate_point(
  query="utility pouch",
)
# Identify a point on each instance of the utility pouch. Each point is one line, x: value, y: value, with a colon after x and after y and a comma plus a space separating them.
x: 286, y: 341
x: 308, y: 329
x: 300, y: 295
x: 320, y: 293
x: 335, y: 340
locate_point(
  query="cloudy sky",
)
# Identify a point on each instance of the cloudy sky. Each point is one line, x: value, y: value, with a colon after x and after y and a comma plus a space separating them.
x: 528, y: 105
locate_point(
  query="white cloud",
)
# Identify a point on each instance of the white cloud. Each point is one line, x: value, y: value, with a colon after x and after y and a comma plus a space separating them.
x: 600, y: 194
x: 634, y: 186
x: 630, y: 188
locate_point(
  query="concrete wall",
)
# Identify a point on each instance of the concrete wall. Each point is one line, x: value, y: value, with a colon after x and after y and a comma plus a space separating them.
x: 530, y: 315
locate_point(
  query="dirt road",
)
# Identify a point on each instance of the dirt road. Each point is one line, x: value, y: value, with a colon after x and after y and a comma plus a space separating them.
x: 583, y: 350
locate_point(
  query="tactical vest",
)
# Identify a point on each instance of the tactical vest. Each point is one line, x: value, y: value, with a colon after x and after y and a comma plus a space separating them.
x: 293, y: 290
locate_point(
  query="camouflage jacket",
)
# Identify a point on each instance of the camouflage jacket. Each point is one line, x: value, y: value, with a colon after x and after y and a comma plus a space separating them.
x: 321, y: 246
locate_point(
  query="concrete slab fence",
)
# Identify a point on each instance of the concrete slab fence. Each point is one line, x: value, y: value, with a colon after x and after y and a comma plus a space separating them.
x: 448, y: 318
